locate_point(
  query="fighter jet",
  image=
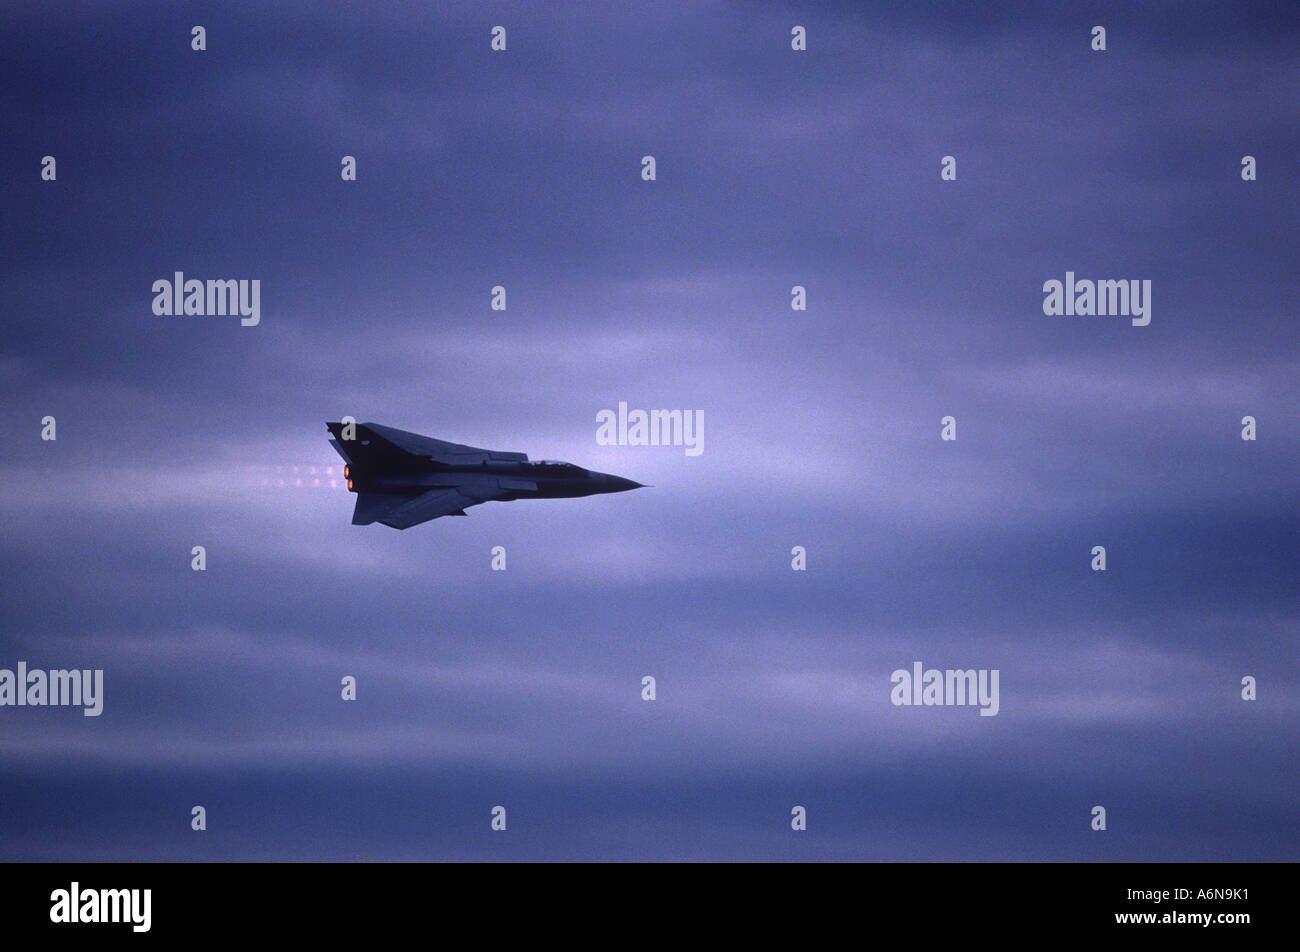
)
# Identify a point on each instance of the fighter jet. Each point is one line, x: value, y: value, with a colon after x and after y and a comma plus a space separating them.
x: 403, y: 479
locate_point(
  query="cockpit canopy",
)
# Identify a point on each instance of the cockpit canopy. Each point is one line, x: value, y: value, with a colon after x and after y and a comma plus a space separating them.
x: 550, y: 467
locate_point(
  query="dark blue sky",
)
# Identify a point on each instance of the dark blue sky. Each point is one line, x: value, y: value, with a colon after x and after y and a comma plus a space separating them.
x: 775, y: 168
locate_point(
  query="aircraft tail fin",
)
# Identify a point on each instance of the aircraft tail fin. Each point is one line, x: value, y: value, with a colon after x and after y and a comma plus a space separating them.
x: 365, y: 448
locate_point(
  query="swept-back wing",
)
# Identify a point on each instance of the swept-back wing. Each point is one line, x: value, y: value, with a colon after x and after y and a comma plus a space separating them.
x: 374, y: 444
x: 439, y: 450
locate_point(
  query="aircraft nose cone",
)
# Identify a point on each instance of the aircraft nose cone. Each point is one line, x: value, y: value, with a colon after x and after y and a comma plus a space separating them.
x: 617, y: 484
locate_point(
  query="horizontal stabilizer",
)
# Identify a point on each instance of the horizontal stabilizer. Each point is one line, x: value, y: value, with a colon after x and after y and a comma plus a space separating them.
x: 370, y: 506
